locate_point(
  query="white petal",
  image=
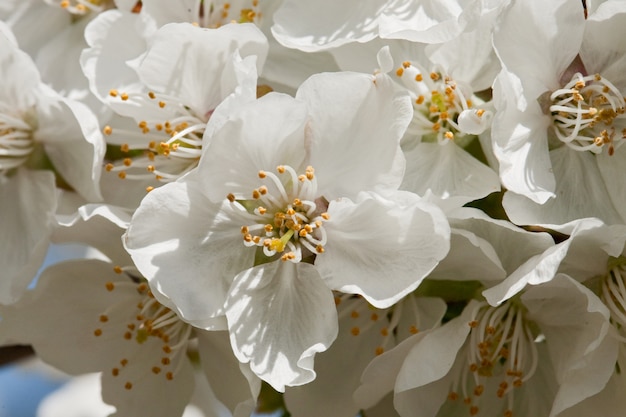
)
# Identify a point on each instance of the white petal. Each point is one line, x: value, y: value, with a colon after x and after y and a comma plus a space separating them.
x: 520, y: 140
x: 382, y: 248
x: 575, y: 323
x: 260, y: 135
x: 580, y: 192
x: 427, y: 21
x: 27, y: 203
x: 73, y: 142
x: 325, y: 24
x: 204, y: 51
x: 357, y: 117
x: 188, y: 248
x: 223, y: 371
x: 280, y: 315
x: 448, y: 171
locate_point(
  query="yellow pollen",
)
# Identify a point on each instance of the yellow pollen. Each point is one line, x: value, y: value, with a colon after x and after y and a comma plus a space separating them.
x: 107, y: 130
x: 124, y: 147
x: 419, y: 100
x: 384, y: 331
x: 354, y: 314
x: 165, y: 361
x: 325, y: 216
x: 97, y: 332
x: 413, y: 330
x: 124, y: 362
x: 374, y: 317
x: 419, y: 78
x: 156, y: 370
x: 434, y: 76
x: 109, y: 167
x: 124, y: 96
x: 169, y: 376
x: 117, y: 269
x: 127, y: 162
x: 115, y: 371
x: 128, y: 385
x: 151, y: 95
x: 112, y: 92
x: 449, y: 135
x: 473, y: 324
x: 231, y: 197
x: 104, y: 318
x: 262, y: 174
x: 65, y: 4
x: 379, y: 351
x: 161, y: 104
x: 400, y: 71
x: 280, y: 169
x: 355, y: 331
x: 149, y: 188
x: 110, y: 286
x: 122, y: 175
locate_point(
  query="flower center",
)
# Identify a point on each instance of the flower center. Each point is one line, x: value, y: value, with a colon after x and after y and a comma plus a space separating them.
x: 443, y: 111
x: 81, y: 7
x: 286, y: 215
x: 223, y: 12
x: 614, y: 297
x: 500, y: 345
x: 165, y: 149
x: 145, y: 323
x: 16, y: 141
x: 586, y: 112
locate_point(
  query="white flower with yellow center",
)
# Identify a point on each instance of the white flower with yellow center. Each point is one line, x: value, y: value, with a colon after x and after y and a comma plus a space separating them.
x: 171, y: 117
x: 560, y: 123
x: 293, y: 198
x: 45, y: 140
x: 537, y: 355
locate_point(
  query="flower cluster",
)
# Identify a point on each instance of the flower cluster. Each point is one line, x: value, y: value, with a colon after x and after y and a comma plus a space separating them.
x: 406, y: 208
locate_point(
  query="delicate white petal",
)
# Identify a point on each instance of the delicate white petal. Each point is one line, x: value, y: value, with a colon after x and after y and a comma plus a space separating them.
x: 114, y: 37
x: 550, y: 35
x: 27, y: 203
x: 203, y: 51
x: 382, y: 248
x: 99, y: 226
x: 448, y: 171
x: 325, y: 24
x: 575, y: 323
x: 358, y: 117
x: 427, y: 21
x: 223, y: 371
x: 194, y: 251
x: 258, y: 136
x: 520, y: 139
x: 580, y: 192
x: 611, y: 170
x: 280, y: 315
x: 73, y: 142
x: 20, y: 75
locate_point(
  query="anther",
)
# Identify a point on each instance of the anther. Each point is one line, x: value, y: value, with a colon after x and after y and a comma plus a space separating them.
x: 107, y: 130
x: 110, y: 286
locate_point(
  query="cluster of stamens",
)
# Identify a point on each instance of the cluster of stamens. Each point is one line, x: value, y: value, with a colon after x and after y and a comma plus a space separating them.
x: 166, y: 149
x: 500, y: 345
x: 614, y: 296
x: 585, y: 113
x: 149, y: 322
x: 438, y: 103
x: 224, y: 13
x: 365, y: 319
x: 16, y: 143
x: 285, y: 214
x: 81, y: 7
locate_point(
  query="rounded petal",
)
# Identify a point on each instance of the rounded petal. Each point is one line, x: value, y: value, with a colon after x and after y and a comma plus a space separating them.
x: 27, y: 203
x: 359, y: 117
x: 188, y: 248
x: 280, y: 315
x: 203, y: 51
x: 260, y: 135
x: 382, y: 248
x: 328, y: 23
x: 448, y: 171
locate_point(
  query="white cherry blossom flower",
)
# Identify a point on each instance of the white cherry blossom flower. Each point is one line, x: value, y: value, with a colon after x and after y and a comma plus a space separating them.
x: 286, y: 182
x: 558, y: 129
x: 44, y: 139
